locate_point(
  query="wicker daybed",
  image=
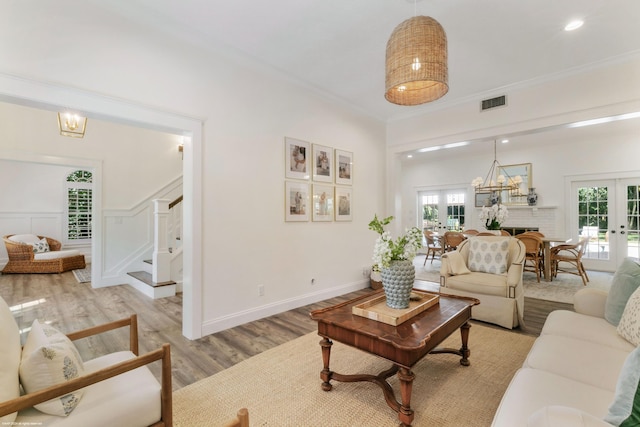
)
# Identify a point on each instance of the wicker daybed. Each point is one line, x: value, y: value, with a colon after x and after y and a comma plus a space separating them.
x: 22, y: 258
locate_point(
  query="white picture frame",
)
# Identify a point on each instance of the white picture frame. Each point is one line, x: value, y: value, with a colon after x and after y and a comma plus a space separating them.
x: 344, y: 167
x: 322, y: 202
x: 343, y: 204
x: 296, y: 158
x: 322, y: 163
x: 297, y: 206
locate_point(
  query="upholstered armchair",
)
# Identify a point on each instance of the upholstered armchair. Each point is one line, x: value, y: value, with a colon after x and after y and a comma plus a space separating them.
x: 490, y: 269
x: 46, y: 383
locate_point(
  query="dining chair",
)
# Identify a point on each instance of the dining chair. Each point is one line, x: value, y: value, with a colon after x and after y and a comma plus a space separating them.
x: 471, y: 232
x: 571, y: 255
x: 505, y: 233
x: 433, y: 246
x: 451, y: 240
x: 533, y: 260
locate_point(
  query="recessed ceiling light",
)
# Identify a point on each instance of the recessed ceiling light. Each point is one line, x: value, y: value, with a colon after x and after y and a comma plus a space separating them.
x: 573, y: 25
x: 504, y: 141
x: 409, y: 156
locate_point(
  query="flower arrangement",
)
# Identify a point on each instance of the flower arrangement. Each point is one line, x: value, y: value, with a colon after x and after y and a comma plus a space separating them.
x: 494, y: 216
x: 386, y: 249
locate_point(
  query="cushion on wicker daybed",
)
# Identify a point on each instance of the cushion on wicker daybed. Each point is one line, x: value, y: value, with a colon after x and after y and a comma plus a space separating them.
x: 29, y: 253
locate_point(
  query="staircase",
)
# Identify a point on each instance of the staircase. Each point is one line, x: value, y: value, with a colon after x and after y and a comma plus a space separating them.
x: 158, y: 278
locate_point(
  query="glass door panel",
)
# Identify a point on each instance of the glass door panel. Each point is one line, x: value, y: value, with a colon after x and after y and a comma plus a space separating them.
x: 442, y: 210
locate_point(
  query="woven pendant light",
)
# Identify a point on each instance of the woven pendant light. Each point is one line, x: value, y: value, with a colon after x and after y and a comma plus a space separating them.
x: 416, y: 62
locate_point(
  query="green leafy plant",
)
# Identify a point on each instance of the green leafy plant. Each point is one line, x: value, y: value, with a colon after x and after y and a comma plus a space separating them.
x: 386, y: 249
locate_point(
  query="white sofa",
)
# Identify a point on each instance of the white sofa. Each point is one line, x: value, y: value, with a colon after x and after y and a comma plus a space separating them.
x: 501, y: 295
x: 569, y: 377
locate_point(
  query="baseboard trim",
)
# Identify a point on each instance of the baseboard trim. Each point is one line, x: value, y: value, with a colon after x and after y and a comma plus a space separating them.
x: 229, y: 321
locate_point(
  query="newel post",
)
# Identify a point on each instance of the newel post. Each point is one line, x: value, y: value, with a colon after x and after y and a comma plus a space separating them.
x: 161, y: 267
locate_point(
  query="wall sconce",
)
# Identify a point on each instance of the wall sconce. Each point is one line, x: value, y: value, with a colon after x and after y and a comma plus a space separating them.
x: 72, y: 125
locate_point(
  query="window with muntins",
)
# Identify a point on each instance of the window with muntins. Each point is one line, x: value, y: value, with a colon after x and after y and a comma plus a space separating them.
x: 79, y: 203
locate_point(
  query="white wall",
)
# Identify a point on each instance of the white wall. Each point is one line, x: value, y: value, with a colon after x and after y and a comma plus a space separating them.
x: 532, y: 121
x: 247, y: 111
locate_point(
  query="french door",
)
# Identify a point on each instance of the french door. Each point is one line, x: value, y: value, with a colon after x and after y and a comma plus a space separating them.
x: 441, y: 210
x: 606, y: 212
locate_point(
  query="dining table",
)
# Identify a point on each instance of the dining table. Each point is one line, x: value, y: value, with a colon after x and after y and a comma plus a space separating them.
x: 546, y: 246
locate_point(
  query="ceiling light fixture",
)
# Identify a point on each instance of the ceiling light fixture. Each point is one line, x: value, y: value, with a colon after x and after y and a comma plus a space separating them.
x: 573, y: 25
x: 501, y: 182
x: 72, y: 125
x: 416, y: 62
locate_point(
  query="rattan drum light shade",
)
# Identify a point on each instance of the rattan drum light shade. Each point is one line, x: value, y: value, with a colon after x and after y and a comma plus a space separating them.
x: 416, y: 62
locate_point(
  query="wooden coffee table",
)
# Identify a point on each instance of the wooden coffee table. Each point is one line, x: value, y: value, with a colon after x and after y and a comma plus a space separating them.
x: 404, y: 345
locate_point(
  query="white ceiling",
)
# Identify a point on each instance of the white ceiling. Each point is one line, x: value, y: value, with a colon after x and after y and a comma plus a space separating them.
x: 338, y: 46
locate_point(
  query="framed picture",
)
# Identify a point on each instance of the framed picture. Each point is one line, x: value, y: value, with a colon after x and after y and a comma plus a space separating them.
x: 296, y: 158
x: 343, y: 202
x: 483, y: 199
x: 344, y: 167
x: 322, y: 163
x: 296, y: 201
x: 522, y: 175
x: 322, y: 203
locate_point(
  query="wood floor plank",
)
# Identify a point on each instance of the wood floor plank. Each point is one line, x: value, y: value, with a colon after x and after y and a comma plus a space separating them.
x: 69, y: 306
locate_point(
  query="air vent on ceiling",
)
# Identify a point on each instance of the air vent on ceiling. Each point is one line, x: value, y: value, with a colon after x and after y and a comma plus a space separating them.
x: 499, y: 101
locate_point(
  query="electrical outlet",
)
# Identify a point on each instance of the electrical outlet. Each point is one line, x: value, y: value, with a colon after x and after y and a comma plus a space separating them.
x: 366, y: 271
x: 261, y: 290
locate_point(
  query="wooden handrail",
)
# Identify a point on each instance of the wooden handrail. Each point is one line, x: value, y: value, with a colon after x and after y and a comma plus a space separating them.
x: 175, y: 202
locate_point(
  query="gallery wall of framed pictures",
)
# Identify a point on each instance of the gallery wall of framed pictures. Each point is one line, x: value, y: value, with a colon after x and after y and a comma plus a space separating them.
x: 318, y: 181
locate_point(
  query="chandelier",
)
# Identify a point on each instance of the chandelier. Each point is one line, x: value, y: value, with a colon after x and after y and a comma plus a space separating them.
x: 416, y: 62
x: 502, y: 182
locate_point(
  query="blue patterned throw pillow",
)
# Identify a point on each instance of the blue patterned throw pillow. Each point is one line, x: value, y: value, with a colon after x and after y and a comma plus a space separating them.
x: 625, y: 409
x: 489, y: 255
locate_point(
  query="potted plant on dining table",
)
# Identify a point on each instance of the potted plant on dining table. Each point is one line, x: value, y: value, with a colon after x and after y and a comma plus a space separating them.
x: 494, y: 216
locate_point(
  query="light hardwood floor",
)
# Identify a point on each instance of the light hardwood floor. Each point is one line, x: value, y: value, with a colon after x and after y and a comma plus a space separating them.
x: 69, y: 306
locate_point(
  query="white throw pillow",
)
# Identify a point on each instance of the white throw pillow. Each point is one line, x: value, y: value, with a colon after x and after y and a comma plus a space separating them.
x: 31, y: 239
x: 50, y: 358
x: 41, y: 246
x: 489, y: 255
x: 629, y: 326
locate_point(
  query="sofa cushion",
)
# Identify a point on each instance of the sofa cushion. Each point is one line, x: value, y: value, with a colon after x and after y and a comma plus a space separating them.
x: 41, y: 246
x: 629, y: 326
x: 30, y: 239
x: 587, y: 328
x: 590, y: 362
x: 532, y: 389
x: 563, y: 416
x: 489, y: 256
x: 55, y: 254
x: 625, y: 409
x: 625, y: 281
x: 129, y: 399
x: 50, y: 358
x: 482, y: 283
x: 9, y: 359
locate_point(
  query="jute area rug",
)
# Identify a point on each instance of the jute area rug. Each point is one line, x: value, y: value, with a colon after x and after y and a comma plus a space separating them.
x: 281, y: 387
x: 561, y: 289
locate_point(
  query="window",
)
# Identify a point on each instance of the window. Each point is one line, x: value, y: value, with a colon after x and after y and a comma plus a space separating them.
x: 442, y: 210
x: 79, y: 191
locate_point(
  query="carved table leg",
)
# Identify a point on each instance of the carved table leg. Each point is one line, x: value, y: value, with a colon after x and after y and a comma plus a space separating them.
x: 405, y: 413
x: 325, y: 374
x: 464, y: 351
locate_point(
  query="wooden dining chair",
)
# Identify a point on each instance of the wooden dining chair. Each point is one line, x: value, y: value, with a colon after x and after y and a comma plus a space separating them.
x: 505, y: 233
x: 433, y: 246
x: 471, y: 232
x: 571, y: 258
x: 451, y: 240
x: 533, y: 250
